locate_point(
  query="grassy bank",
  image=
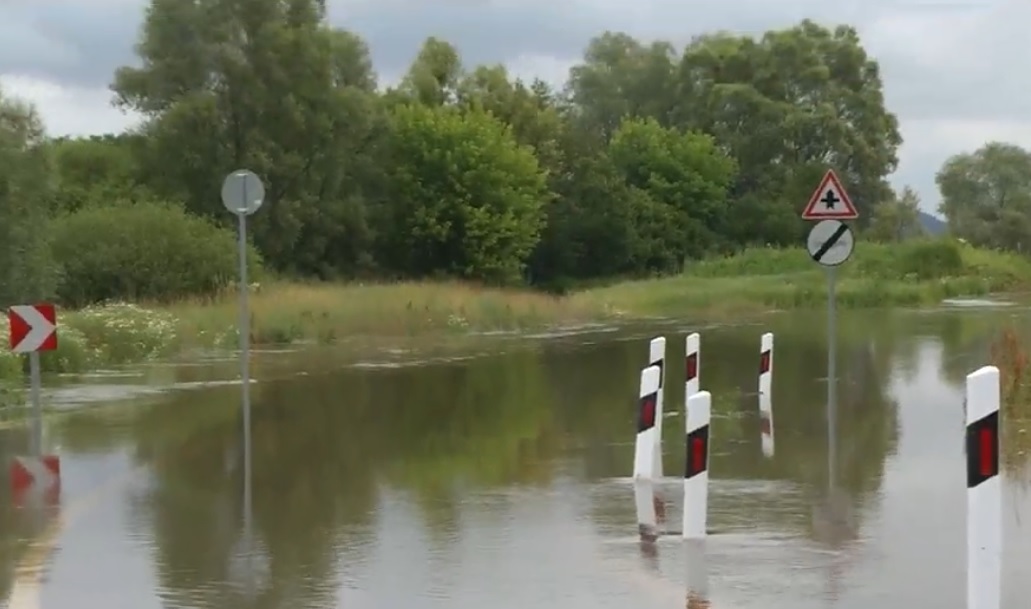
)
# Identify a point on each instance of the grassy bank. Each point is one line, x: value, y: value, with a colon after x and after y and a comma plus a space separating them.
x: 909, y: 274
x: 756, y: 280
x: 1009, y: 355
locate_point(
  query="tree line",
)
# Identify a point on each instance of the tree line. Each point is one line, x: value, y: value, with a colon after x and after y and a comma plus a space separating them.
x: 647, y: 158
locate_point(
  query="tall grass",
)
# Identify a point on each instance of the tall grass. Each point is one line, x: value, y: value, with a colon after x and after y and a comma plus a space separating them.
x: 755, y: 280
x: 907, y: 274
x: 1010, y: 357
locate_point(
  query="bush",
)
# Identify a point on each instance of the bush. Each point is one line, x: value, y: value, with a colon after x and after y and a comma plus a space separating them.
x: 143, y: 251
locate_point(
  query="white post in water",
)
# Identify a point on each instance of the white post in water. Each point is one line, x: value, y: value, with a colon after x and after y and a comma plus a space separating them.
x: 984, y: 490
x: 243, y: 194
x: 766, y: 365
x: 692, y: 366
x: 647, y: 421
x: 657, y: 357
x: 766, y: 394
x: 696, y: 468
x: 644, y: 453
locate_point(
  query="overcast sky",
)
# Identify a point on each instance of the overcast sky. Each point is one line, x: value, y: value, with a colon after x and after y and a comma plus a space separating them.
x: 956, y: 72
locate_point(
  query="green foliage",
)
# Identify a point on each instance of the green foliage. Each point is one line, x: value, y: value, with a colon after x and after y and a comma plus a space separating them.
x: 650, y: 160
x: 897, y: 218
x: 146, y: 251
x: 468, y: 198
x: 986, y: 196
x: 27, y: 272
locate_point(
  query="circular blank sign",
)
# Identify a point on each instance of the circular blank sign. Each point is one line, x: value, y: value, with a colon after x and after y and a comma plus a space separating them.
x: 830, y: 242
x: 242, y: 192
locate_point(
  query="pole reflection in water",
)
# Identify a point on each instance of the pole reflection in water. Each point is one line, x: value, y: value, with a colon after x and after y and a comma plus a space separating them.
x: 249, y: 563
x: 697, y: 567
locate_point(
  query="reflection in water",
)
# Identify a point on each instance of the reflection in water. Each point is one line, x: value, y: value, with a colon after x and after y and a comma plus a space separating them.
x: 502, y: 481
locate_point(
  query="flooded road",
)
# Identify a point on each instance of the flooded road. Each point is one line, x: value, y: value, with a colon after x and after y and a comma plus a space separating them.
x: 502, y: 480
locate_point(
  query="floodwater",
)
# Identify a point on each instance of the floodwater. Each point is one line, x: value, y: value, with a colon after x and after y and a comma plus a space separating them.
x: 502, y: 480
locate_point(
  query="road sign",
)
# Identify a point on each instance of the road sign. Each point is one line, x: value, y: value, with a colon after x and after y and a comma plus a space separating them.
x: 830, y: 242
x: 830, y: 201
x: 32, y: 328
x: 242, y: 192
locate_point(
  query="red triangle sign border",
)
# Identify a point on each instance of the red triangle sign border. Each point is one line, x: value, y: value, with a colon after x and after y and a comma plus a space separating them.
x: 830, y: 182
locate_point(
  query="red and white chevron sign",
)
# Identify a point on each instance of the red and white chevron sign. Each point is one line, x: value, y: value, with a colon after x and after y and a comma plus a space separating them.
x: 32, y: 328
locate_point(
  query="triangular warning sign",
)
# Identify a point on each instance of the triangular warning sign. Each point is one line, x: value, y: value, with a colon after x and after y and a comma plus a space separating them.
x: 830, y: 201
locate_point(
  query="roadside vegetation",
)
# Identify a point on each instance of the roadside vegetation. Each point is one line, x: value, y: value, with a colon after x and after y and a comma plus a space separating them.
x: 1010, y: 356
x: 657, y: 181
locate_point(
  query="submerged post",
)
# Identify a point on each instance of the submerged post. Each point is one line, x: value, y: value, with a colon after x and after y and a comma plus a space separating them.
x: 696, y: 468
x: 657, y: 357
x: 243, y: 194
x: 984, y: 490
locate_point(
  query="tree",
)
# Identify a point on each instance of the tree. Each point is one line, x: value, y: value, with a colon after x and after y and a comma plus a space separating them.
x: 986, y: 196
x: 787, y: 106
x: 685, y: 175
x: 97, y: 170
x: 467, y: 200
x: 619, y: 78
x: 26, y: 270
x: 433, y: 77
x: 897, y: 218
x: 266, y: 85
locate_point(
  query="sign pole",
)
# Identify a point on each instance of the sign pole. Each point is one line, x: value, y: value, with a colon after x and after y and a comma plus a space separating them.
x: 832, y: 379
x: 830, y: 243
x: 243, y: 194
x: 37, y: 408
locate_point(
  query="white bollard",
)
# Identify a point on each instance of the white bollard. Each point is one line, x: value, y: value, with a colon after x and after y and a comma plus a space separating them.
x: 692, y: 365
x: 984, y: 490
x: 647, y: 424
x: 696, y: 468
x: 657, y: 357
x: 766, y: 365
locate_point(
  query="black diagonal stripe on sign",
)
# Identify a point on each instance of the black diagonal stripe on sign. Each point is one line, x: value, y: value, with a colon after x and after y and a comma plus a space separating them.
x: 820, y: 253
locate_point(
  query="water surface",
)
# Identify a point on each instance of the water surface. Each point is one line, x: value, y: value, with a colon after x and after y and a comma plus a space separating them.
x: 500, y: 479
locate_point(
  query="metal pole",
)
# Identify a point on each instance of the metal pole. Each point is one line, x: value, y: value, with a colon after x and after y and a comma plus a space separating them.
x: 832, y: 379
x: 37, y: 409
x: 245, y: 371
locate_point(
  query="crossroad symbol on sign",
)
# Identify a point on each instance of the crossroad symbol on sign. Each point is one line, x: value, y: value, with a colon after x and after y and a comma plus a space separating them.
x: 32, y: 328
x: 830, y: 201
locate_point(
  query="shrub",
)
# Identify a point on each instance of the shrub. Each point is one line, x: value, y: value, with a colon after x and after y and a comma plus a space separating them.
x: 142, y: 251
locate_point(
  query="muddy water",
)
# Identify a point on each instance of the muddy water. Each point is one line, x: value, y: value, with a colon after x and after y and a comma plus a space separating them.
x: 501, y: 480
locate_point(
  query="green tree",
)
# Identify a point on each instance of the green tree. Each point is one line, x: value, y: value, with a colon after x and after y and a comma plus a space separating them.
x: 96, y: 170
x: 897, y: 219
x: 986, y: 196
x: 685, y: 176
x: 467, y: 200
x: 26, y: 270
x: 266, y: 85
x: 787, y: 106
x: 622, y: 77
x: 434, y: 76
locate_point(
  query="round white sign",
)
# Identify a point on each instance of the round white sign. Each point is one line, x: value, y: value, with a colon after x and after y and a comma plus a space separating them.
x: 242, y: 192
x: 830, y: 242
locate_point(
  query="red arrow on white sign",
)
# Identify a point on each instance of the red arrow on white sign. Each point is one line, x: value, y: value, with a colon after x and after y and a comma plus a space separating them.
x: 33, y: 328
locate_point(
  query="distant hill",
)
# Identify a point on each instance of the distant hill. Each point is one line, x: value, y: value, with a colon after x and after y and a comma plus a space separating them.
x: 934, y: 226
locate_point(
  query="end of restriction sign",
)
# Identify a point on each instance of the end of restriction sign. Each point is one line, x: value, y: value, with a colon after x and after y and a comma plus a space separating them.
x: 830, y: 242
